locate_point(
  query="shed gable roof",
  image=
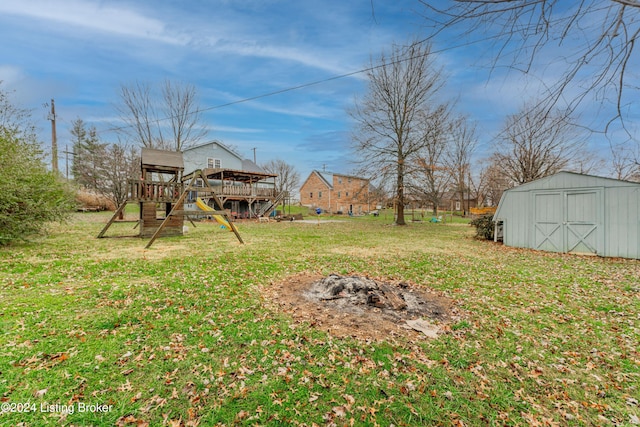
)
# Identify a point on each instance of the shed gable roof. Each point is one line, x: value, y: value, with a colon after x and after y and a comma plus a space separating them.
x: 560, y: 181
x: 566, y: 179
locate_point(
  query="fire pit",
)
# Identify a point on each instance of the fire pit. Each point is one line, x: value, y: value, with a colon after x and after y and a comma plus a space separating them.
x: 362, y: 307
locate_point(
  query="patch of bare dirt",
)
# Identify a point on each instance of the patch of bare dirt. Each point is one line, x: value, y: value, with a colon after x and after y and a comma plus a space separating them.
x: 361, y: 307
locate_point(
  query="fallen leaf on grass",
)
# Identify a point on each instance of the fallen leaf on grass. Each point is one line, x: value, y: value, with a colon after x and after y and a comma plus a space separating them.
x: 128, y: 420
x: 340, y: 411
x: 125, y: 387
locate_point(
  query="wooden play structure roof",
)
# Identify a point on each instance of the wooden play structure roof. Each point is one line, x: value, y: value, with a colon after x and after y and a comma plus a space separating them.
x: 161, y: 161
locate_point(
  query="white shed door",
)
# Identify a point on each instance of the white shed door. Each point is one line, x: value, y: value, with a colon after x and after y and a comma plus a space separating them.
x: 582, y: 222
x: 547, y: 227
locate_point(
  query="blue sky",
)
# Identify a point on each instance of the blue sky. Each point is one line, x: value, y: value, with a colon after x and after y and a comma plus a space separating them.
x: 80, y: 52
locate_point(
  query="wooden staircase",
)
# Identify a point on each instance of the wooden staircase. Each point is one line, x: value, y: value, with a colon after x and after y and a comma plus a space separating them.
x: 268, y: 208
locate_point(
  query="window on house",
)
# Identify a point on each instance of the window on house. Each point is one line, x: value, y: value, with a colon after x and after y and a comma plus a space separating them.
x: 338, y: 194
x: 214, y: 163
x: 339, y: 180
x: 346, y: 193
x: 349, y: 180
x: 311, y: 195
x: 319, y: 194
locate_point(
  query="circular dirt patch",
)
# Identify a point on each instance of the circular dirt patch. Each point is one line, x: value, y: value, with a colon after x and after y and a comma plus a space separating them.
x: 362, y: 307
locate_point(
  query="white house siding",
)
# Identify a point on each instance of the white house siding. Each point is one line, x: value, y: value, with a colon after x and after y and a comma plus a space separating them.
x: 196, y: 157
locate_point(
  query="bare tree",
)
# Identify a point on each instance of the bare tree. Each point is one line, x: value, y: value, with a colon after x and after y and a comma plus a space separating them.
x: 493, y: 182
x: 288, y: 177
x: 387, y: 134
x: 181, y: 107
x: 430, y: 177
x: 624, y: 164
x: 121, y: 164
x: 534, y: 144
x: 595, y: 39
x: 15, y: 120
x: 100, y: 167
x: 139, y: 113
x: 150, y: 119
x: 458, y: 156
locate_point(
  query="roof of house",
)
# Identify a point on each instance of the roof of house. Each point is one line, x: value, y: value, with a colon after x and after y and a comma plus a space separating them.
x: 237, y: 175
x: 327, y: 177
x: 247, y: 165
x: 216, y: 142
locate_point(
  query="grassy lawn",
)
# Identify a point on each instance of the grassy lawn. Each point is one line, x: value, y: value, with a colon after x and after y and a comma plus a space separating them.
x: 180, y: 335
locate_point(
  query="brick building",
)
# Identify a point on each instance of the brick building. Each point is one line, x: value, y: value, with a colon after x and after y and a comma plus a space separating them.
x: 338, y: 193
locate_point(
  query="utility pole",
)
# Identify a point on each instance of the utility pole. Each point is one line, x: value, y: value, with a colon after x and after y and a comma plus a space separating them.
x: 54, y: 139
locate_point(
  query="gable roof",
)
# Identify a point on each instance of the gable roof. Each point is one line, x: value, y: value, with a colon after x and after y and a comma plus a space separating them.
x: 567, y: 179
x: 322, y: 179
x: 214, y: 142
x: 559, y: 181
x: 327, y: 178
x: 247, y: 165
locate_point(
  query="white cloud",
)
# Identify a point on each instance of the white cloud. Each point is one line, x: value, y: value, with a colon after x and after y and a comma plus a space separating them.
x: 231, y: 129
x: 306, y: 56
x: 93, y: 16
x: 10, y: 75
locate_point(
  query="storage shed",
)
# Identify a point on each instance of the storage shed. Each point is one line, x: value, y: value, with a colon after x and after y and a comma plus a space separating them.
x: 572, y: 213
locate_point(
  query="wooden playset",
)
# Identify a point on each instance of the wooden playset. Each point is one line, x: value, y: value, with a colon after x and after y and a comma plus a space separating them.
x: 162, y: 184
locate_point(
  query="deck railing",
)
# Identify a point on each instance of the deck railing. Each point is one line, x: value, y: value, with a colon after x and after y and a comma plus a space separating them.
x: 243, y: 191
x: 154, y: 191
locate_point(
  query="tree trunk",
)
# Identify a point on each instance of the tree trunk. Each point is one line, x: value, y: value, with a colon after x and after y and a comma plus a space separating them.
x: 400, y: 195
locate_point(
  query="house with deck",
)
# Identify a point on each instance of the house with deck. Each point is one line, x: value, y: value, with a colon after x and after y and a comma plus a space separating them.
x: 244, y: 188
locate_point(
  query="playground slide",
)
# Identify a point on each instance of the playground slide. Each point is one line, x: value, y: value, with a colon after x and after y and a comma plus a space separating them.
x: 219, y: 218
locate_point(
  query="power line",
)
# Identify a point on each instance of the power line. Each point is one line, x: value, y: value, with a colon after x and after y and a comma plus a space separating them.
x: 313, y: 83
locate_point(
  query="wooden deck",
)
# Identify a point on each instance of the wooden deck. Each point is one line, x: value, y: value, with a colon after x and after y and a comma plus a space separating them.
x: 244, y: 191
x: 154, y: 191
